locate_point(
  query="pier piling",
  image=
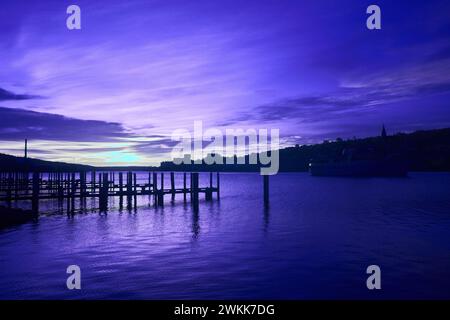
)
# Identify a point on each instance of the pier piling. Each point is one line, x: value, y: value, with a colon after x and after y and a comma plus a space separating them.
x: 76, y: 187
x: 35, y: 193
x: 195, y: 190
x: 172, y: 185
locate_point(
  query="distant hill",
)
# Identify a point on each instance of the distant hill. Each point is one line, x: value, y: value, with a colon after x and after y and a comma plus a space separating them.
x: 12, y: 163
x: 422, y: 150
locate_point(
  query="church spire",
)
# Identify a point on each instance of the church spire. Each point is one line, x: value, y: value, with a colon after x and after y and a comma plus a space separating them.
x: 383, y: 132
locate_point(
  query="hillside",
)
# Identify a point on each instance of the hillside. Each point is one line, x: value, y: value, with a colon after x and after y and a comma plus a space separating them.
x: 421, y: 150
x: 12, y: 163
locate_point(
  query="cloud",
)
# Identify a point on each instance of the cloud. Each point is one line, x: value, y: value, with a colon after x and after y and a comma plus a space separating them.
x: 354, y: 96
x: 8, y: 95
x: 20, y: 124
x: 59, y: 138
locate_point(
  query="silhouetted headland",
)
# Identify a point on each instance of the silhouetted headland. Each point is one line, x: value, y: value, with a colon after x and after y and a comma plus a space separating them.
x: 422, y: 151
x: 419, y: 151
x: 16, y: 164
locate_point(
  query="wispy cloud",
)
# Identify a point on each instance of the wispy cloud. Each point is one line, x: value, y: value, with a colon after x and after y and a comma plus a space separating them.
x: 137, y: 71
x: 21, y: 124
x: 8, y: 95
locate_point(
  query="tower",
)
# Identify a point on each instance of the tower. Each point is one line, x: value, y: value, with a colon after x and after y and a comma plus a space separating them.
x: 26, y: 148
x: 383, y: 132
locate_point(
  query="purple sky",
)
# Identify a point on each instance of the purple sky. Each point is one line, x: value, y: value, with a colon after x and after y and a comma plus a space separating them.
x: 113, y: 92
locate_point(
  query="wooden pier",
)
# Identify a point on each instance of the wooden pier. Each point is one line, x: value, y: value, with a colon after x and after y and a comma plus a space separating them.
x: 67, y: 186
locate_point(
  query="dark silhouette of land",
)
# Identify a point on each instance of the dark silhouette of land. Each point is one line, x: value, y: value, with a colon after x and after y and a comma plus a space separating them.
x: 422, y: 151
x: 21, y: 164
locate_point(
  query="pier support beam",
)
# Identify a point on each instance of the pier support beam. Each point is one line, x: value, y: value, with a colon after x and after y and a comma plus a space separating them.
x: 161, y: 192
x: 73, y: 190
x: 120, y: 190
x: 104, y: 193
x: 218, y: 185
x: 184, y: 186
x: 35, y: 200
x: 172, y: 185
x: 9, y: 188
x: 135, y: 191
x: 155, y: 188
x: 194, y: 194
x: 83, y: 188
x: 129, y: 188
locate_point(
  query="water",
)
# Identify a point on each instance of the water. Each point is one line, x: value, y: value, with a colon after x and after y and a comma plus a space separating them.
x: 315, y: 241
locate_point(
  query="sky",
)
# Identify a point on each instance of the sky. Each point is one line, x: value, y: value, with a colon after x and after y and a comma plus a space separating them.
x: 113, y: 92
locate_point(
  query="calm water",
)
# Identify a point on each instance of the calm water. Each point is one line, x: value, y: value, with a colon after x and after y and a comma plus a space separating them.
x: 315, y: 241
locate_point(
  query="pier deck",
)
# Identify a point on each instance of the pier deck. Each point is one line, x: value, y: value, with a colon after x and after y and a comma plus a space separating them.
x: 23, y: 186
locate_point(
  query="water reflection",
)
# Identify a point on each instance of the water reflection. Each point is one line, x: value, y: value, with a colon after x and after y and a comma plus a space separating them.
x: 195, y: 225
x: 266, y: 216
x: 313, y: 241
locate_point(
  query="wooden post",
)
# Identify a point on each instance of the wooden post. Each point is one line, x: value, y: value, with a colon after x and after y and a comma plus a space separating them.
x: 16, y: 184
x: 35, y: 201
x: 184, y: 186
x: 120, y: 190
x: 67, y: 187
x: 161, y: 192
x: 149, y: 182
x: 104, y: 193
x: 93, y: 182
x: 195, y: 190
x: 27, y: 182
x: 172, y: 185
x: 190, y: 185
x: 60, y: 186
x: 73, y: 191
x: 9, y: 190
x: 208, y: 194
x: 49, y: 181
x: 129, y: 184
x: 113, y: 181
x: 129, y: 188
x: 99, y: 181
x: 266, y: 189
x: 82, y: 184
x: 155, y: 188
x: 135, y: 189
x: 218, y: 185
x: 121, y: 184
